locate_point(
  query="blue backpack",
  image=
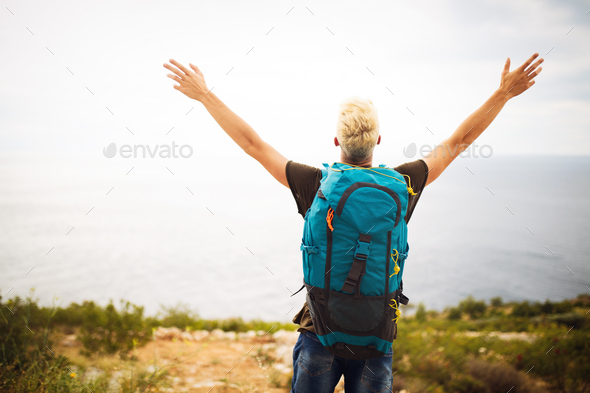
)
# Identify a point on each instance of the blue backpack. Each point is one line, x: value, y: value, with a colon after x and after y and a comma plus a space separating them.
x: 354, y: 246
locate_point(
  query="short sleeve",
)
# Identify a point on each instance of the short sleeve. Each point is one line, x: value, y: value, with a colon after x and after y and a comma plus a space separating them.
x: 304, y: 181
x: 416, y: 177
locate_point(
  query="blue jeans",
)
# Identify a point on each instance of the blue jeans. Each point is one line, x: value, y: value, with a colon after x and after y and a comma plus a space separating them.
x: 316, y: 370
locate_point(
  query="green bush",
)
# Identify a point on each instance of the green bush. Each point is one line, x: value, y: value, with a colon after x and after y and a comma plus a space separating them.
x: 582, y: 300
x: 562, y: 360
x: 576, y: 320
x: 497, y: 301
x: 106, y: 330
x: 473, y: 308
x: 525, y: 309
x: 421, y: 313
x: 454, y: 314
x: 73, y: 315
x: 27, y: 362
x: 23, y: 327
x: 180, y: 316
x: 496, y: 312
x: 45, y: 375
x: 556, y: 308
x: 432, y: 353
x: 547, y: 307
x: 562, y: 307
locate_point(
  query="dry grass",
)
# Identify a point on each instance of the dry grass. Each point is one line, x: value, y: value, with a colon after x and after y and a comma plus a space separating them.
x: 195, y: 367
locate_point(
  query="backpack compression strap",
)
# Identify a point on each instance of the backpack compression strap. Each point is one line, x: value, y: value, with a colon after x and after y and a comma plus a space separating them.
x: 357, y: 270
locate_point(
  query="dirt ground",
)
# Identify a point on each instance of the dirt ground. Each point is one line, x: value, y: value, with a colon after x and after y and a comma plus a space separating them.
x: 203, y: 363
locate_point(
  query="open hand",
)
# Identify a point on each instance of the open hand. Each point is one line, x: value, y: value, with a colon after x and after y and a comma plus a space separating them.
x: 190, y: 83
x: 519, y: 80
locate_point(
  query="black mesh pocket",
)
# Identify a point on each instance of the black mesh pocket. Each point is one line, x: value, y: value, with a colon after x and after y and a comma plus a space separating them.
x: 356, y: 314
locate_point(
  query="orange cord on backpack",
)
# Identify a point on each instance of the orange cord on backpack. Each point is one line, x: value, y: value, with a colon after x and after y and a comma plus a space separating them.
x: 329, y: 218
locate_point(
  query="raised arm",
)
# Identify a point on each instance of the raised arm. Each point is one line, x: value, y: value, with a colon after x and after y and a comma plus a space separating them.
x: 192, y: 84
x: 512, y: 84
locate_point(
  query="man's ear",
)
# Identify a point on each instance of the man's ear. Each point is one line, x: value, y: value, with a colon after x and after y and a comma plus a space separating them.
x: 336, y: 141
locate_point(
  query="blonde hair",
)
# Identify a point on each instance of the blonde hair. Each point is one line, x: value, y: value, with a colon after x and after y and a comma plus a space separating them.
x: 357, y: 128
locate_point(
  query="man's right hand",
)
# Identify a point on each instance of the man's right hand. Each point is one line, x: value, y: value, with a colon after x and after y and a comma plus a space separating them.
x: 190, y: 83
x: 521, y: 79
x: 512, y: 84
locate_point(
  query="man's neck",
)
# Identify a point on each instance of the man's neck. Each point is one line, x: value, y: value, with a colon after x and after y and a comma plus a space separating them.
x: 366, y: 163
x: 363, y: 165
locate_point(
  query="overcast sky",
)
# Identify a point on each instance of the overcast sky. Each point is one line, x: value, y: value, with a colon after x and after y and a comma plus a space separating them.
x: 283, y: 66
x: 79, y: 76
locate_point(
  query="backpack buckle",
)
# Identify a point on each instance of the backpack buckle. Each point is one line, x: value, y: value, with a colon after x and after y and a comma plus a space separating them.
x: 309, y: 249
x: 403, y: 299
x: 357, y: 270
x: 362, y: 248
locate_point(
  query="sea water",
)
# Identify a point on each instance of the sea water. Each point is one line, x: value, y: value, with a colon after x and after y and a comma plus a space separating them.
x: 223, y: 239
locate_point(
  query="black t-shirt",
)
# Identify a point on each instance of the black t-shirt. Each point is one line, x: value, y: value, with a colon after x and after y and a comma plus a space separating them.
x: 304, y: 181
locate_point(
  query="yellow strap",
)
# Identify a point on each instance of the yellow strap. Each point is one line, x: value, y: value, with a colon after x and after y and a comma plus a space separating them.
x: 396, y: 269
x: 398, y: 313
x: 408, y: 185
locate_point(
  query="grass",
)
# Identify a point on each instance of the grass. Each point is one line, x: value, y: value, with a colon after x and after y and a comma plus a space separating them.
x: 434, y: 352
x: 27, y: 363
x: 109, y: 335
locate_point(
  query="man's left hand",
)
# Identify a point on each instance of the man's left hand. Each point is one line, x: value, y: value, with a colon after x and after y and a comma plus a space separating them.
x: 190, y: 83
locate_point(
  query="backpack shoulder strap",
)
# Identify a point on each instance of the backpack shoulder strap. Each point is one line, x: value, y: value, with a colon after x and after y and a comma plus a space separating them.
x: 325, y: 170
x: 324, y: 175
